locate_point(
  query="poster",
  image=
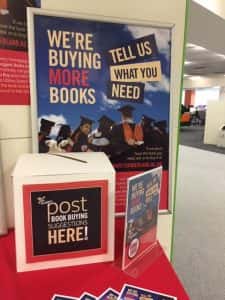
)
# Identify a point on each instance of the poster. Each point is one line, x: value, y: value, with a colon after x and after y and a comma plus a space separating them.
x: 143, y: 196
x: 14, y: 72
x: 102, y: 86
x: 65, y: 220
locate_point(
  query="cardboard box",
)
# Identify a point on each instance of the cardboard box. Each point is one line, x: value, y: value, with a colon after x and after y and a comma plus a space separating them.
x: 64, y: 210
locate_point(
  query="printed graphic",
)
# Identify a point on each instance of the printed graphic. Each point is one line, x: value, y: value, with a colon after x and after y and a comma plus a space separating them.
x: 143, y: 196
x: 87, y: 296
x: 130, y: 292
x: 65, y: 218
x: 103, y: 86
x: 109, y: 294
x: 62, y: 297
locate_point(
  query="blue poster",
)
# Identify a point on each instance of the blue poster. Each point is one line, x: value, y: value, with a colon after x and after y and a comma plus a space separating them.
x: 103, y: 86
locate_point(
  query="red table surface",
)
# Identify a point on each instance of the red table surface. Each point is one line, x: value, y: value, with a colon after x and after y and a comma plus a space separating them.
x: 73, y: 281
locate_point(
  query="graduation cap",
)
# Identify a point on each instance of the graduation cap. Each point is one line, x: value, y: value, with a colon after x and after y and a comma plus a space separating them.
x: 161, y: 124
x: 64, y: 131
x: 84, y: 120
x: 126, y: 110
x: 46, y: 125
x: 147, y: 120
x: 106, y: 121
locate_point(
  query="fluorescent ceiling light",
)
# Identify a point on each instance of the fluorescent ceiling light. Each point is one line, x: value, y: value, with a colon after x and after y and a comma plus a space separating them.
x: 221, y: 55
x: 199, y: 48
x: 189, y: 45
x: 186, y: 75
x: 195, y: 77
x: 187, y: 62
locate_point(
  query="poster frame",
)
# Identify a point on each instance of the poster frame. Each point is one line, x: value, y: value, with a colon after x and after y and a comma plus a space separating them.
x: 32, y: 12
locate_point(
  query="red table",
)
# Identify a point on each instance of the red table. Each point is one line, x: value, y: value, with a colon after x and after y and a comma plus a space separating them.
x: 72, y: 281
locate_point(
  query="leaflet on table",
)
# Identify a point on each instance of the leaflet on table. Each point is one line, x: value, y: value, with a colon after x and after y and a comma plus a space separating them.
x: 87, y: 296
x: 62, y: 297
x: 128, y: 292
x: 95, y: 93
x: 143, y: 195
x: 109, y: 294
x: 131, y: 292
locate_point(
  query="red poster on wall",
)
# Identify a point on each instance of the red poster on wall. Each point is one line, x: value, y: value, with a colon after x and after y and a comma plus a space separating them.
x: 14, y: 74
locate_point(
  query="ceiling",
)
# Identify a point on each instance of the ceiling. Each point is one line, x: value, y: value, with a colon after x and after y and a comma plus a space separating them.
x: 200, y: 61
x: 205, y: 49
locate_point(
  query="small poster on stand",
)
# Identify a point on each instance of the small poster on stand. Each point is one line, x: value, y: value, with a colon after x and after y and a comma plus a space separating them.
x: 143, y: 197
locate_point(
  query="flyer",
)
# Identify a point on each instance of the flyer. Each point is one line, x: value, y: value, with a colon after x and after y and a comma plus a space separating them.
x: 130, y: 292
x: 87, y: 296
x: 143, y: 195
x: 109, y: 294
x: 62, y: 297
x: 102, y: 85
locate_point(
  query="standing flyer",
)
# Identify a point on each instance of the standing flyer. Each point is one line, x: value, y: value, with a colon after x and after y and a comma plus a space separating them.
x: 143, y: 195
x: 102, y: 86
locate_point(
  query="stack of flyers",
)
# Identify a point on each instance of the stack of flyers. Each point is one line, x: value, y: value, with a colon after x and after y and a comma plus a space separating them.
x: 128, y: 292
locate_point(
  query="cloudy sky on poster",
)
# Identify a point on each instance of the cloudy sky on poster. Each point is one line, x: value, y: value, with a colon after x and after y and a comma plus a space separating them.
x: 105, y: 36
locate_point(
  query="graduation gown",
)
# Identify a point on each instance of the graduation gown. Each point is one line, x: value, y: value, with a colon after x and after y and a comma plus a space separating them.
x: 119, y: 144
x: 81, y: 140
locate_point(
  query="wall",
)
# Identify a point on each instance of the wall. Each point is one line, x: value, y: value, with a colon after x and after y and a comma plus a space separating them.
x: 215, y: 117
x: 206, y: 28
x: 17, y: 138
x: 194, y: 82
x: 204, y: 95
x: 215, y: 6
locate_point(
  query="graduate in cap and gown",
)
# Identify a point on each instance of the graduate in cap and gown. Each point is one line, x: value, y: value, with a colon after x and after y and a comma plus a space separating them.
x: 127, y: 134
x: 163, y: 140
x: 64, y: 141
x: 43, y: 135
x: 149, y: 132
x: 102, y: 135
x: 81, y: 142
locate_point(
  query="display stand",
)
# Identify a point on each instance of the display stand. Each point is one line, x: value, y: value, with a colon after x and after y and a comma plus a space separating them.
x: 145, y: 262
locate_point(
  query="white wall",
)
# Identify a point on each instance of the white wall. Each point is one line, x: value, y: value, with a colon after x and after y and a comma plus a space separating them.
x: 216, y: 6
x: 215, y: 117
x: 16, y: 119
x: 194, y: 82
x: 206, y: 28
x: 204, y: 95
